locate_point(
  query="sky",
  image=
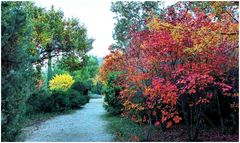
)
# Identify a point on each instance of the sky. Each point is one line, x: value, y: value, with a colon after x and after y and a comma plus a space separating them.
x: 96, y: 17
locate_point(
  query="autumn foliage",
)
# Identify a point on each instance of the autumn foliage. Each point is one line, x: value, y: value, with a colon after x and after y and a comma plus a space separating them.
x: 177, y: 66
x: 61, y: 82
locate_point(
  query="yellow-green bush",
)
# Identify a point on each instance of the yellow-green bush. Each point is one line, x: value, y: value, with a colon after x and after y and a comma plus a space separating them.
x: 61, y: 82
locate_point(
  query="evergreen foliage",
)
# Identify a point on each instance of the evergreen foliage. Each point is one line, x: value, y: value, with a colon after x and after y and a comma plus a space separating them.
x: 17, y: 72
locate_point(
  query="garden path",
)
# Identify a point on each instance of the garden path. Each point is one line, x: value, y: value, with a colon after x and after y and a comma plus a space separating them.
x: 84, y: 125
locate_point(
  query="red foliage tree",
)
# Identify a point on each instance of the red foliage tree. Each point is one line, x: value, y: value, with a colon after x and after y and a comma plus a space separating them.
x: 179, y: 62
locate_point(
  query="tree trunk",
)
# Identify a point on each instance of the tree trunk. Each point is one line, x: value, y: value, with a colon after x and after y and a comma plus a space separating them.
x: 49, y: 73
x: 219, y: 110
x: 149, y: 131
x: 188, y: 115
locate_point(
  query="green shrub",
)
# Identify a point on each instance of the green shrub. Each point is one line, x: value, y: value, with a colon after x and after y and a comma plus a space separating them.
x: 76, y: 99
x: 43, y: 101
x: 111, y: 100
x: 58, y: 101
x: 112, y: 103
x: 82, y: 87
x: 37, y: 102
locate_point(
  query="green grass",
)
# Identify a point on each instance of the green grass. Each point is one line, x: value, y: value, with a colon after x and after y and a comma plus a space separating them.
x: 124, y: 129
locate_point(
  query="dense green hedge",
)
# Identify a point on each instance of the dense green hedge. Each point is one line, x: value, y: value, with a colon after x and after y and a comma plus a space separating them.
x: 56, y: 101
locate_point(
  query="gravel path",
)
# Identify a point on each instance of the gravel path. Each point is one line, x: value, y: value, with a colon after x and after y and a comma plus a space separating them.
x: 84, y: 125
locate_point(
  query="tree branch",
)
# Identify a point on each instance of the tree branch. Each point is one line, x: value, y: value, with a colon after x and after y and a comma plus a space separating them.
x: 232, y: 16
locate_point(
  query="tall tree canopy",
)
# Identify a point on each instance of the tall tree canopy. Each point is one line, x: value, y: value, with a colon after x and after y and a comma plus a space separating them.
x: 55, y: 36
x: 130, y: 15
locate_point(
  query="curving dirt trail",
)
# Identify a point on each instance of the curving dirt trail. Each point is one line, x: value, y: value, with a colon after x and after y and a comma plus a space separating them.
x: 85, y: 125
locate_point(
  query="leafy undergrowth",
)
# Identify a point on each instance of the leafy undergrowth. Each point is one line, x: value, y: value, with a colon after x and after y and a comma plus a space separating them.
x: 125, y: 130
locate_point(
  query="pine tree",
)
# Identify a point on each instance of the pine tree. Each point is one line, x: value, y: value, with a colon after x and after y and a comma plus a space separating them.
x: 17, y: 71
